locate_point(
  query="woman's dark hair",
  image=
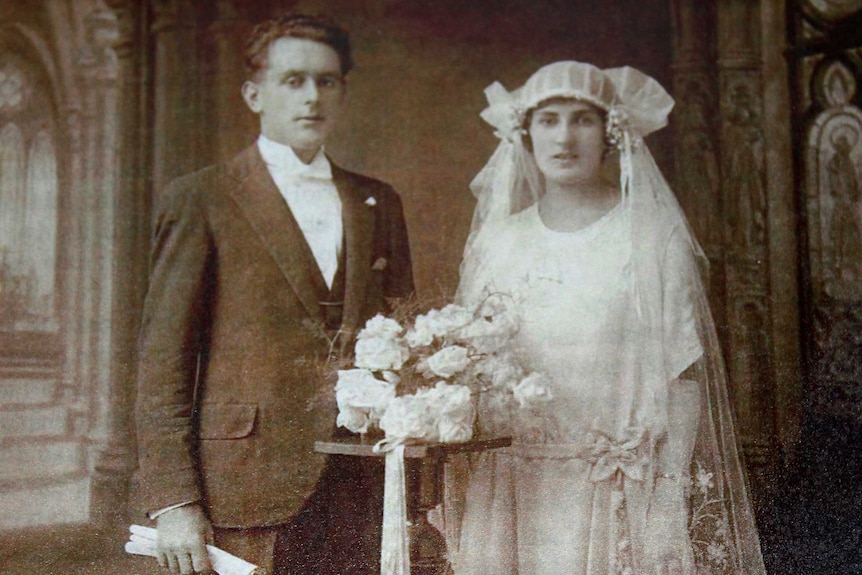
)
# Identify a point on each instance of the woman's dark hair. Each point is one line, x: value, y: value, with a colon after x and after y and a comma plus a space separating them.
x: 528, y: 118
x: 315, y: 27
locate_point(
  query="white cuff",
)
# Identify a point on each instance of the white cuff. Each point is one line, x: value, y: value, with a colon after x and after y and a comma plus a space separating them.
x: 156, y: 513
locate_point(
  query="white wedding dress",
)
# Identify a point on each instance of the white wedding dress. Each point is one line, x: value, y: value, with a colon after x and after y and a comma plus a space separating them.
x: 571, y: 496
x: 617, y: 317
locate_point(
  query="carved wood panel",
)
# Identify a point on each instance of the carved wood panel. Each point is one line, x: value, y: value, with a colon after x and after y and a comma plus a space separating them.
x: 732, y: 155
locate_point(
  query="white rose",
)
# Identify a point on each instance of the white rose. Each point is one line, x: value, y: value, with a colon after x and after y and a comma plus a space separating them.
x: 456, y: 413
x: 449, y: 361
x: 408, y: 417
x: 532, y: 389
x: 378, y: 346
x: 452, y: 400
x: 380, y: 326
x: 494, y: 325
x: 449, y: 319
x: 502, y: 370
x: 437, y: 323
x: 379, y: 353
x: 356, y: 420
x: 420, y: 334
x: 357, y: 390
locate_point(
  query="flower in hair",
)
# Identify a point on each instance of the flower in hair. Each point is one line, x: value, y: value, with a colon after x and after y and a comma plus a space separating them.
x: 503, y: 112
x: 617, y: 125
x: 512, y: 125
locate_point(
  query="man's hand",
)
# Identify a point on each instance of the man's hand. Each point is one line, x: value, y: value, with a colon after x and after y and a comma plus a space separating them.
x: 183, y: 535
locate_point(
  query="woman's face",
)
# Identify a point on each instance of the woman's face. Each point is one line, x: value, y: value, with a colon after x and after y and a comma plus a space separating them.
x: 568, y: 141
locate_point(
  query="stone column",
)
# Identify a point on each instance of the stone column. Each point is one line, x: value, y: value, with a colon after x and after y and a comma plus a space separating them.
x: 177, y: 118
x: 123, y: 156
x: 230, y: 120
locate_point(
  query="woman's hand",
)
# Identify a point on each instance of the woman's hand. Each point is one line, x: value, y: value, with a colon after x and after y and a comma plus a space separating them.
x: 668, y: 547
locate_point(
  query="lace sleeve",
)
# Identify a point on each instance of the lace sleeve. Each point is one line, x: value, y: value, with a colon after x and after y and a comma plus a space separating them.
x: 682, y: 344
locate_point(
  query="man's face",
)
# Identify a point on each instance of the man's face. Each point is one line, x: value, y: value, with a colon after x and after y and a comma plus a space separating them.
x: 299, y: 95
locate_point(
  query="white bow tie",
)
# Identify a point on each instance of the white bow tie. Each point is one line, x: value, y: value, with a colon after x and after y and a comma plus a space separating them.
x: 311, y: 172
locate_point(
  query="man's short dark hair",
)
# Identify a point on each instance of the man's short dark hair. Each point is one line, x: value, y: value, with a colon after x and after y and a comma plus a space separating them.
x: 315, y: 27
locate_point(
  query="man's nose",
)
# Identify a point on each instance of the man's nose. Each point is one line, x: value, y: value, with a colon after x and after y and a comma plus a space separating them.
x: 312, y: 92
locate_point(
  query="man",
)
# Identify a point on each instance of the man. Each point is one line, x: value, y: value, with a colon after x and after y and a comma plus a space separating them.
x: 246, y: 257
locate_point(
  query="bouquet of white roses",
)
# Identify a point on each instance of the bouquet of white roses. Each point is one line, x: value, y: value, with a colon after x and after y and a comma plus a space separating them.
x: 419, y: 380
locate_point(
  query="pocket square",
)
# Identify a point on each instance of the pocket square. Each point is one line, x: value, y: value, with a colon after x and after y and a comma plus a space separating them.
x: 380, y: 264
x: 371, y: 201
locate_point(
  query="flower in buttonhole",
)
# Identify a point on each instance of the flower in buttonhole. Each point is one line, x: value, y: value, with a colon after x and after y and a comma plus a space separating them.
x: 361, y: 398
x: 534, y: 388
x: 378, y: 345
x: 448, y: 361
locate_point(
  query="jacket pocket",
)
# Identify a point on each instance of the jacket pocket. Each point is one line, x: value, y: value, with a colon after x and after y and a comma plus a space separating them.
x: 227, y: 420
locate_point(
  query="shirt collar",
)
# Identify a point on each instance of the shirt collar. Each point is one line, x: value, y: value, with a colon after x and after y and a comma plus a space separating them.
x: 283, y: 159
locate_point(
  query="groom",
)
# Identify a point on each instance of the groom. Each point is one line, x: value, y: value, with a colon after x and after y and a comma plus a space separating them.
x: 250, y: 260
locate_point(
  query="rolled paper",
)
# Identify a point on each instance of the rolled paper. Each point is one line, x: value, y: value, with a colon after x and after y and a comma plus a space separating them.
x: 143, y: 540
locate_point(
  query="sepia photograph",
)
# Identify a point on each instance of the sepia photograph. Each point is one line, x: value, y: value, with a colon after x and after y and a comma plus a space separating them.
x: 430, y: 287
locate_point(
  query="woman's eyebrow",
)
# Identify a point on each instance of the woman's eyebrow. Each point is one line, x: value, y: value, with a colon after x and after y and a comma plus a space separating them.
x: 582, y: 113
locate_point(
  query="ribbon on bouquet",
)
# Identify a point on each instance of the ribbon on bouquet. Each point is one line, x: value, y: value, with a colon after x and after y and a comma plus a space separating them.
x: 395, y: 541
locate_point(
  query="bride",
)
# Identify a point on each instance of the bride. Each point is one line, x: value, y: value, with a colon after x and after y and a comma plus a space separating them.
x: 632, y: 468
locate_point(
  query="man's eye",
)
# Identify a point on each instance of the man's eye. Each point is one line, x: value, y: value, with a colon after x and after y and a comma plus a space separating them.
x: 296, y: 81
x: 547, y: 121
x: 327, y: 82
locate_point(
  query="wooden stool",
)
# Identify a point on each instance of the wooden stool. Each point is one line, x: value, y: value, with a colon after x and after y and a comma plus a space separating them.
x: 424, y: 464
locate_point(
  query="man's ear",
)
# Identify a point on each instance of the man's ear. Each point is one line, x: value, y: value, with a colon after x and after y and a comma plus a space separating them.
x: 251, y: 95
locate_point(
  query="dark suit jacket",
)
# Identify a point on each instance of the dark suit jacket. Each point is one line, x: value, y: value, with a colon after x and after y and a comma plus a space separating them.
x: 225, y: 409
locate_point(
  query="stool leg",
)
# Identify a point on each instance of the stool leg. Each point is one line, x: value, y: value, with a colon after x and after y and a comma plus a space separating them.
x: 427, y: 544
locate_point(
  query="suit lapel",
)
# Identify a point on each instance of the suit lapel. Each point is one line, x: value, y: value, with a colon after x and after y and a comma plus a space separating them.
x: 358, y: 221
x: 264, y: 208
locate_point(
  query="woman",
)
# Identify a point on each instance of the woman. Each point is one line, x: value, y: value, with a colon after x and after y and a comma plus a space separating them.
x: 632, y: 467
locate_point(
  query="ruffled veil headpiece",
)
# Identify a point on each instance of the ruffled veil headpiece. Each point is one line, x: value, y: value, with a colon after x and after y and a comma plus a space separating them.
x: 636, y: 105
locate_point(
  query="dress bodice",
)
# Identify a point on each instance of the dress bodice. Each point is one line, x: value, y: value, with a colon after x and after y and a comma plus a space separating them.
x: 578, y: 322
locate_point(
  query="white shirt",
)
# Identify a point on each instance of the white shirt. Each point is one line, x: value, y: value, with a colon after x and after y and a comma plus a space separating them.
x: 312, y: 198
